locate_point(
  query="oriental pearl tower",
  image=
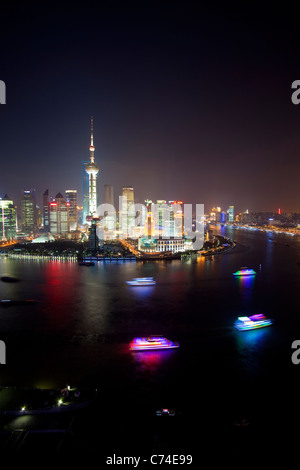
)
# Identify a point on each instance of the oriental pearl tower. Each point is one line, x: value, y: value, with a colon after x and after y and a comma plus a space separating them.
x: 92, y: 170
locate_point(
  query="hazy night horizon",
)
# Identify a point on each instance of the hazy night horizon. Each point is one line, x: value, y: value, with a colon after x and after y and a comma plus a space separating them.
x: 188, y: 102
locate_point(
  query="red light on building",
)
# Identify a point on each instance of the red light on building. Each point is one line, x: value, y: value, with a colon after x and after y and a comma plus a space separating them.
x: 279, y: 211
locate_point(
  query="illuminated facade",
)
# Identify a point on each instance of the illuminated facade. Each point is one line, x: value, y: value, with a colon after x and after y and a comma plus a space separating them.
x: 46, y: 214
x: 230, y: 214
x: 59, y: 215
x: 28, y: 212
x: 128, y: 214
x: 149, y: 225
x: 161, y: 245
x: 7, y: 218
x: 71, y: 198
x: 109, y: 219
x: 92, y: 170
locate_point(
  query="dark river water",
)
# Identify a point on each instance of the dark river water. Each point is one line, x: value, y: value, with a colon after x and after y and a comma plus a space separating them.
x: 224, y: 385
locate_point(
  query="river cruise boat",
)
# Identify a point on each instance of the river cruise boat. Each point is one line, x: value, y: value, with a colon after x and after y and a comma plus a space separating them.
x: 141, y: 281
x: 252, y: 323
x: 244, y: 271
x: 151, y: 343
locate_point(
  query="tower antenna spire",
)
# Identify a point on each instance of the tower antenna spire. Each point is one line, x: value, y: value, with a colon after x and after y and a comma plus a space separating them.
x: 92, y: 148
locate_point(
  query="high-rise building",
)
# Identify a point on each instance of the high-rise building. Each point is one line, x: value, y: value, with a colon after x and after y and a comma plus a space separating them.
x: 59, y: 215
x: 28, y: 212
x: 46, y: 216
x: 7, y: 218
x: 71, y: 198
x: 93, y: 237
x: 128, y: 212
x: 109, y: 194
x: 92, y: 170
x: 109, y: 219
x: 231, y: 214
x: 149, y: 225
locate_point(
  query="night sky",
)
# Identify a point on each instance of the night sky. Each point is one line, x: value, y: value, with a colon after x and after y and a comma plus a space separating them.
x: 190, y: 101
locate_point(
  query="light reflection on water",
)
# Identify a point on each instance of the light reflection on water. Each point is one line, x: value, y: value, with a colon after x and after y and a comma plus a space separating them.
x: 150, y: 361
x: 250, y: 345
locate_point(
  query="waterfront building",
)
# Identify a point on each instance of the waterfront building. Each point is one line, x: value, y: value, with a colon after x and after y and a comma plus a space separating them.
x: 93, y: 238
x: 46, y: 211
x: 28, y: 212
x: 161, y: 245
x: 71, y: 198
x: 215, y: 214
x: 230, y: 212
x: 109, y: 218
x: 59, y: 215
x: 149, y: 225
x: 8, y: 218
x: 92, y: 170
x: 127, y: 212
x: 223, y: 217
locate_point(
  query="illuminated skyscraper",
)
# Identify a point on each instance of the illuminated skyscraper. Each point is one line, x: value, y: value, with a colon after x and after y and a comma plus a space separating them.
x: 28, y: 212
x: 128, y: 214
x: 71, y: 197
x: 149, y: 225
x: 46, y: 216
x: 92, y: 170
x: 230, y: 214
x: 59, y: 215
x: 7, y: 218
x: 109, y: 219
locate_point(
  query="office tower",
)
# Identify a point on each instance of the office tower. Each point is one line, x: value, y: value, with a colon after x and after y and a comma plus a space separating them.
x: 109, y: 219
x: 28, y: 211
x: 161, y: 215
x: 93, y: 238
x: 215, y: 214
x: 149, y: 225
x: 230, y: 214
x: 7, y: 218
x: 71, y: 198
x: 223, y: 217
x: 178, y: 218
x: 46, y: 216
x: 128, y: 212
x: 109, y: 194
x: 92, y: 170
x: 59, y: 215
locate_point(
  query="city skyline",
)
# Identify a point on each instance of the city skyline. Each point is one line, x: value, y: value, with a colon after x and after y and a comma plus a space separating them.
x: 188, y: 102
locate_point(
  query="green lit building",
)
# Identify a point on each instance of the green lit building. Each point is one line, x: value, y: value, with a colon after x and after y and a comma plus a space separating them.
x: 7, y: 218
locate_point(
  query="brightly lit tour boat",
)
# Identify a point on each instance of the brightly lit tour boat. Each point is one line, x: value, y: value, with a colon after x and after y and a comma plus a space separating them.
x: 152, y: 342
x: 142, y: 281
x: 253, y: 322
x: 244, y: 272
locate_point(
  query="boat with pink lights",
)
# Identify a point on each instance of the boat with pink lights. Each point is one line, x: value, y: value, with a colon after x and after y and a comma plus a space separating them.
x: 253, y: 322
x: 244, y: 271
x: 142, y: 281
x: 152, y: 342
